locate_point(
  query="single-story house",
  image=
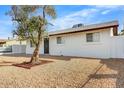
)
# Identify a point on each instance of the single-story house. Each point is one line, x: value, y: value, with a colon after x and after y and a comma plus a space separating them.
x: 96, y: 41
x: 2, y: 42
x: 12, y: 45
x: 10, y: 42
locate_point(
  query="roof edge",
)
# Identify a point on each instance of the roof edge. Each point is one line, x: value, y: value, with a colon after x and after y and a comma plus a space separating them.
x: 86, y: 28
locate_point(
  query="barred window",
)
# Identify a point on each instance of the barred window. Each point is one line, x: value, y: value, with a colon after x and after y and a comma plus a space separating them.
x: 93, y: 37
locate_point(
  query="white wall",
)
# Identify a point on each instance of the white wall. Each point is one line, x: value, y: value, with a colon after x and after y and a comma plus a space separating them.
x: 76, y: 45
x: 18, y: 49
x: 117, y: 47
x: 29, y: 50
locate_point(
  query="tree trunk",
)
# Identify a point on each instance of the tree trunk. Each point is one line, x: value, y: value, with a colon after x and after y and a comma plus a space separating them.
x: 35, y: 56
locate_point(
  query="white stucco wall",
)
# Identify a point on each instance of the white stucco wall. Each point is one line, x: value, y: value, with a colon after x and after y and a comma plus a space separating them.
x: 18, y: 49
x: 76, y: 45
x: 117, y: 47
x: 29, y: 50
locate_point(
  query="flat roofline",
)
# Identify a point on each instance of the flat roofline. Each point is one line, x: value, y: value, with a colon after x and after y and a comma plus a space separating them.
x: 86, y: 28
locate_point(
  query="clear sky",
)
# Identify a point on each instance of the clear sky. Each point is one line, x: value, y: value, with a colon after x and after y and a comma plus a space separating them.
x: 69, y: 15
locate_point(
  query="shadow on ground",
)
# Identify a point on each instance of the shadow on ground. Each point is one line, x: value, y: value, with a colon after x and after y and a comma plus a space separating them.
x: 66, y: 58
x: 41, y: 56
x: 113, y: 64
x: 23, y: 65
x: 6, y: 63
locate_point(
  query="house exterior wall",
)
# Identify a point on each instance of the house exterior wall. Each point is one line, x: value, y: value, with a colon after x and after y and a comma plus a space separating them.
x: 76, y: 45
x: 14, y: 42
x: 117, y: 47
x: 29, y: 50
x: 18, y: 49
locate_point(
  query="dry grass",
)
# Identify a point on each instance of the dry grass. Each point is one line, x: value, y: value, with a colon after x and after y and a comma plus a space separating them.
x: 72, y: 72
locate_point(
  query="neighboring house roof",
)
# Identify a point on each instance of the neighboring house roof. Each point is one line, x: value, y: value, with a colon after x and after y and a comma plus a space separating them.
x: 6, y: 40
x: 2, y: 41
x: 87, y: 28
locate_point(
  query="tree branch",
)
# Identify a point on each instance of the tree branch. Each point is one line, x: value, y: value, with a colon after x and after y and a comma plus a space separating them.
x: 32, y: 37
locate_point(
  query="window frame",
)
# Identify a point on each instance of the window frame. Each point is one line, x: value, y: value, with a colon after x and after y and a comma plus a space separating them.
x: 87, y: 37
x: 59, y: 38
x: 92, y: 39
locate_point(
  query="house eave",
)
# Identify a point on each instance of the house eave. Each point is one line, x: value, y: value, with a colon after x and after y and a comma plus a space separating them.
x: 85, y: 30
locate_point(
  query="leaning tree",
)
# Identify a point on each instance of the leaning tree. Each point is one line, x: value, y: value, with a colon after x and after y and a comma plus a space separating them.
x: 30, y: 23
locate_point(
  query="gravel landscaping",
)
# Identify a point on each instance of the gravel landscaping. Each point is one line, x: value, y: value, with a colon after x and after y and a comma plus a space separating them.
x: 110, y: 75
x: 63, y: 72
x: 71, y: 72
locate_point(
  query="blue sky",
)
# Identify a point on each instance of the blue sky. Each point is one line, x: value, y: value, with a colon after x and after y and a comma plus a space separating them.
x: 68, y: 15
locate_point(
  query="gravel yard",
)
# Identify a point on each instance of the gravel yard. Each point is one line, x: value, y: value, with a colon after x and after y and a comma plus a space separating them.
x: 62, y: 72
x: 72, y: 72
x: 110, y: 75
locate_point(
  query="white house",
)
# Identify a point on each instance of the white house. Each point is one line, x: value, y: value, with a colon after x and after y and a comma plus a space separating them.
x: 97, y: 41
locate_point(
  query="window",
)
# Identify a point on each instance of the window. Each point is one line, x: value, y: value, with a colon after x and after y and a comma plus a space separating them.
x: 96, y: 37
x: 1, y: 45
x: 59, y: 40
x: 31, y: 44
x: 89, y: 37
x: 93, y: 37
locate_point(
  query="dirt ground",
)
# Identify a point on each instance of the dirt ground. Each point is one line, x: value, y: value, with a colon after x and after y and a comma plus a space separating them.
x: 62, y: 72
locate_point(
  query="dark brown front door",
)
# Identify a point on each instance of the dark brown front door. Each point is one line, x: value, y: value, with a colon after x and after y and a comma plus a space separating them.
x: 46, y: 46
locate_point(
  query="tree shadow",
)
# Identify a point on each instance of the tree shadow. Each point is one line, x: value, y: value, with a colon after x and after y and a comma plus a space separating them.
x: 113, y: 64
x: 6, y: 63
x: 25, y: 65
x: 28, y: 65
x: 16, y: 55
x: 67, y: 58
x: 99, y: 76
x: 54, y: 57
